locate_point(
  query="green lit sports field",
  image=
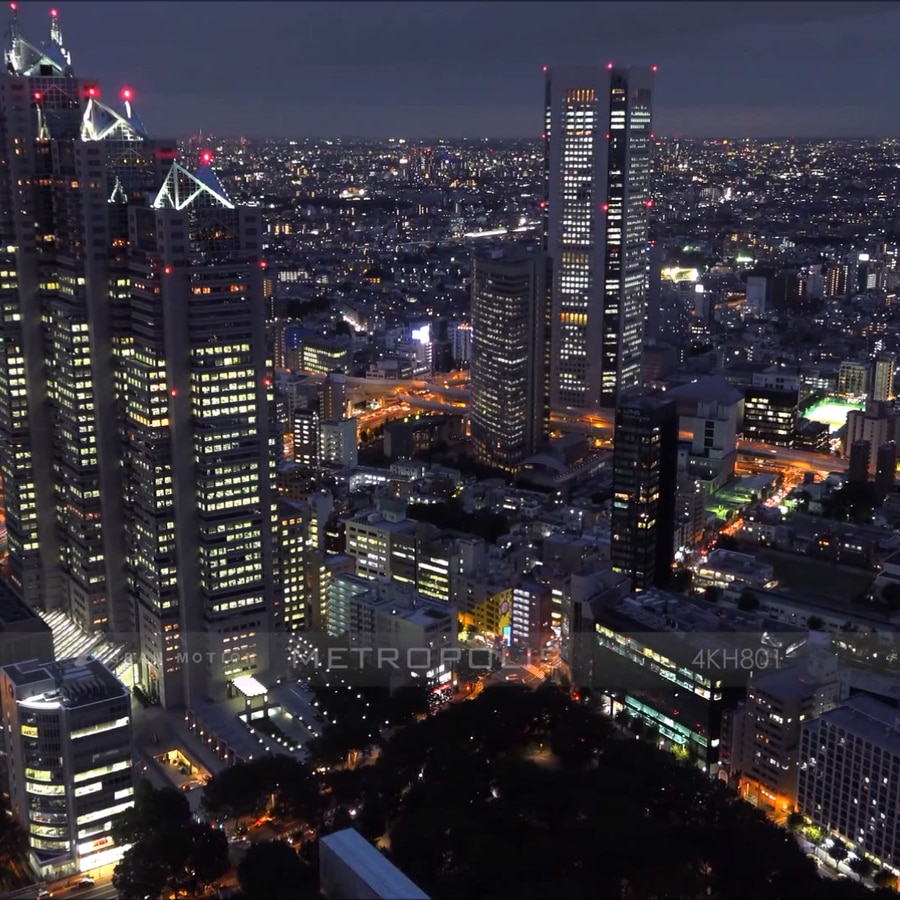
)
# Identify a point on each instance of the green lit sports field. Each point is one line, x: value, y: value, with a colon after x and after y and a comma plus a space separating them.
x: 833, y: 413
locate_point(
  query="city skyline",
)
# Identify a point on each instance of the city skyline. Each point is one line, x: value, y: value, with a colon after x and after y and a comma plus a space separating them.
x: 316, y: 71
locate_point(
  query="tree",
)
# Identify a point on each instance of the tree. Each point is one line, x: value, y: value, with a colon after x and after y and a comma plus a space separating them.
x: 207, y: 854
x: 168, y: 849
x: 407, y: 702
x: 838, y: 852
x: 241, y: 790
x: 272, y: 870
x: 13, y: 848
x: 890, y: 595
x: 884, y: 878
x: 681, y: 581
x: 794, y: 821
x: 155, y: 812
x: 140, y: 874
x: 814, y: 623
x: 748, y: 601
x: 861, y: 867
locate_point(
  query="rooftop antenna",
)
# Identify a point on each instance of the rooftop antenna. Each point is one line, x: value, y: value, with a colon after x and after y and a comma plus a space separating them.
x: 55, y: 32
x: 14, y: 20
x: 127, y: 97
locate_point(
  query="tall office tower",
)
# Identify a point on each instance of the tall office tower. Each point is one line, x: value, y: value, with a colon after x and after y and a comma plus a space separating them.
x: 645, y: 467
x: 597, y: 163
x: 200, y: 451
x: 71, y: 773
x: 883, y: 380
x: 290, y: 613
x: 507, y: 359
x: 334, y: 397
x: 70, y: 167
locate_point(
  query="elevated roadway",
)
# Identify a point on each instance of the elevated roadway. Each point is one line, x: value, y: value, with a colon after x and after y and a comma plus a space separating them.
x: 598, y: 424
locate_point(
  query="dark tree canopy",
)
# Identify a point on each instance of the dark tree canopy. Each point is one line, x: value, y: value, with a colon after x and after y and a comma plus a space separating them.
x: 169, y: 849
x: 526, y: 794
x: 272, y: 870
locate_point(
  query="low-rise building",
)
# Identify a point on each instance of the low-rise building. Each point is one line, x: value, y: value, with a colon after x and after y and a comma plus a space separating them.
x: 725, y: 567
x: 349, y: 866
x: 69, y: 759
x: 679, y: 664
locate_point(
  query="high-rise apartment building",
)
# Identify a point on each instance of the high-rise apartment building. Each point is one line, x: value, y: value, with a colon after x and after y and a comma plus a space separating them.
x: 200, y: 450
x: 71, y: 773
x: 507, y: 359
x: 597, y: 163
x: 645, y: 484
x: 883, y: 377
x: 849, y: 781
x: 768, y: 726
x: 71, y: 166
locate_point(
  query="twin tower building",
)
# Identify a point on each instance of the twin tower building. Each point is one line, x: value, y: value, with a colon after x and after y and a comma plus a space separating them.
x: 137, y: 447
x: 561, y: 331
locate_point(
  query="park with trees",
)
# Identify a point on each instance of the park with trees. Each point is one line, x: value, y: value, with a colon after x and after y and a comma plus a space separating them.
x: 517, y: 793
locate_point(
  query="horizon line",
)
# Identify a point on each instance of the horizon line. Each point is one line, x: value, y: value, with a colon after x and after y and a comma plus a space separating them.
x: 433, y: 139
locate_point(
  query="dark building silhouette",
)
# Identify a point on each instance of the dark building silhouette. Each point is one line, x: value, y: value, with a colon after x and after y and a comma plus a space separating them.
x: 885, y: 469
x: 507, y: 359
x: 858, y: 472
x: 770, y: 416
x: 645, y: 463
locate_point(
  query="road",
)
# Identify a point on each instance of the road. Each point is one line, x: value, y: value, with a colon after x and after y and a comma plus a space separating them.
x: 430, y: 396
x: 60, y: 890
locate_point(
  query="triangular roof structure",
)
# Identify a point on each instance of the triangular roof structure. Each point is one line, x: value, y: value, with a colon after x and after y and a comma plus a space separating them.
x: 182, y: 189
x: 25, y: 58
x: 101, y: 123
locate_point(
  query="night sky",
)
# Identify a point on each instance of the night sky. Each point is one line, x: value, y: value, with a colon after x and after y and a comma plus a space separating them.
x: 471, y: 69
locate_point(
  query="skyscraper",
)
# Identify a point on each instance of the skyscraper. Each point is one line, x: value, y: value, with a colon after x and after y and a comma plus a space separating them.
x: 597, y: 161
x: 70, y: 167
x: 200, y: 457
x: 883, y: 377
x: 507, y: 359
x: 645, y: 471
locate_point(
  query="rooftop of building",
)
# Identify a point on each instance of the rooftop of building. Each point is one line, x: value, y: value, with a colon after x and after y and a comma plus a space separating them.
x: 679, y: 627
x: 707, y: 389
x: 869, y: 719
x: 405, y: 602
x: 378, y: 873
x: 735, y: 562
x: 376, y: 519
x: 16, y: 615
x: 790, y: 682
x: 64, y: 684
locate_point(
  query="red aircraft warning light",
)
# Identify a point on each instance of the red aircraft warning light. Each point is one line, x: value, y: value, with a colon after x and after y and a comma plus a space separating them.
x: 54, y: 13
x: 267, y: 382
x: 654, y: 68
x: 38, y: 95
x: 609, y: 65
x: 127, y: 93
x: 13, y: 6
x: 168, y: 270
x: 206, y: 157
x: 92, y: 91
x: 604, y: 207
x: 263, y: 264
